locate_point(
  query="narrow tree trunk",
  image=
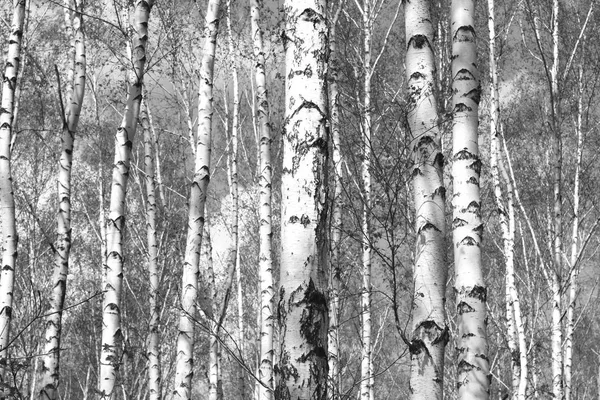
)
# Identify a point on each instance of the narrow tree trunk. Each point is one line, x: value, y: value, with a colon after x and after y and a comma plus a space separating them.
x: 471, y: 292
x: 153, y: 340
x: 233, y: 157
x: 516, y: 331
x: 556, y: 289
x: 74, y: 101
x: 111, y: 305
x: 333, y: 388
x: 429, y: 332
x: 365, y: 301
x: 7, y: 200
x: 265, y: 230
x: 197, y: 201
x: 574, y: 262
x: 302, y: 369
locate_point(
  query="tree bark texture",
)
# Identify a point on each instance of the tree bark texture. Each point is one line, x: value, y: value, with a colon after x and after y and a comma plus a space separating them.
x: 467, y: 227
x: 302, y: 311
x: 429, y: 331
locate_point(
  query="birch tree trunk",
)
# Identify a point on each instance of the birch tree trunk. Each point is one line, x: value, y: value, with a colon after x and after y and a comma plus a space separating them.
x: 74, y: 101
x: 471, y: 291
x: 429, y: 332
x: 333, y: 388
x: 302, y: 368
x: 557, y: 360
x: 365, y: 298
x: 111, y: 305
x: 197, y: 201
x: 153, y: 340
x: 265, y: 372
x: 7, y: 200
x: 574, y: 262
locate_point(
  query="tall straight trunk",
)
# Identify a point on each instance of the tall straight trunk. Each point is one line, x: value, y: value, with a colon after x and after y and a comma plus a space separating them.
x: 471, y: 292
x: 7, y: 200
x: 197, y: 201
x: 233, y: 190
x: 153, y: 340
x: 265, y: 373
x: 111, y: 305
x: 74, y: 101
x: 516, y: 331
x: 302, y: 368
x: 429, y: 332
x: 365, y: 299
x: 333, y: 388
x: 574, y: 264
x: 556, y: 289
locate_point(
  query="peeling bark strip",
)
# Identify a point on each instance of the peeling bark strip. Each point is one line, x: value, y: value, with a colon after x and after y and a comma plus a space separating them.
x: 265, y: 373
x: 111, y: 305
x: 429, y: 331
x: 74, y: 100
x: 197, y: 201
x: 302, y: 368
x: 473, y: 365
x: 7, y: 200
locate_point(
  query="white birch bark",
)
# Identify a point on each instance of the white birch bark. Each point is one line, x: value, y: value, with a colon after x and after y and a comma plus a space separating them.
x: 7, y: 201
x: 574, y: 262
x: 429, y: 331
x: 471, y: 292
x: 265, y: 372
x: 153, y: 340
x: 113, y: 267
x: 302, y: 368
x: 334, y: 389
x: 74, y: 101
x: 556, y: 289
x: 197, y: 201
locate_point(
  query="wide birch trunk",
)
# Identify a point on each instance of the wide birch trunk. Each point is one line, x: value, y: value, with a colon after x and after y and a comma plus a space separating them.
x: 471, y: 292
x: 429, y: 332
x: 302, y: 368
x: 197, y: 201
x: 7, y: 200
x: 74, y: 101
x: 110, y: 359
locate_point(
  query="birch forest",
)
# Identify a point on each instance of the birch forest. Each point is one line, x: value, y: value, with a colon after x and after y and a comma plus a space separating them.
x: 300, y: 200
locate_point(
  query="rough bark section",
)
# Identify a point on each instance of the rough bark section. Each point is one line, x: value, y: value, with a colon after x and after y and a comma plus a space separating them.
x: 429, y: 332
x: 471, y: 292
x: 197, y: 201
x: 153, y: 340
x: 7, y: 201
x: 302, y: 311
x: 110, y: 359
x: 74, y: 99
x: 265, y: 372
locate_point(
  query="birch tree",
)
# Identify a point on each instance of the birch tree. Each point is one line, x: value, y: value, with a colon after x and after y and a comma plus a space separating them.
x: 429, y: 331
x: 115, y: 224
x: 302, y: 367
x: 7, y: 201
x: 153, y: 340
x: 197, y: 200
x: 265, y: 373
x: 471, y: 291
x: 74, y: 101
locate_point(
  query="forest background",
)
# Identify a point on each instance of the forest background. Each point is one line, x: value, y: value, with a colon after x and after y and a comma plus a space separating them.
x: 532, y: 111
